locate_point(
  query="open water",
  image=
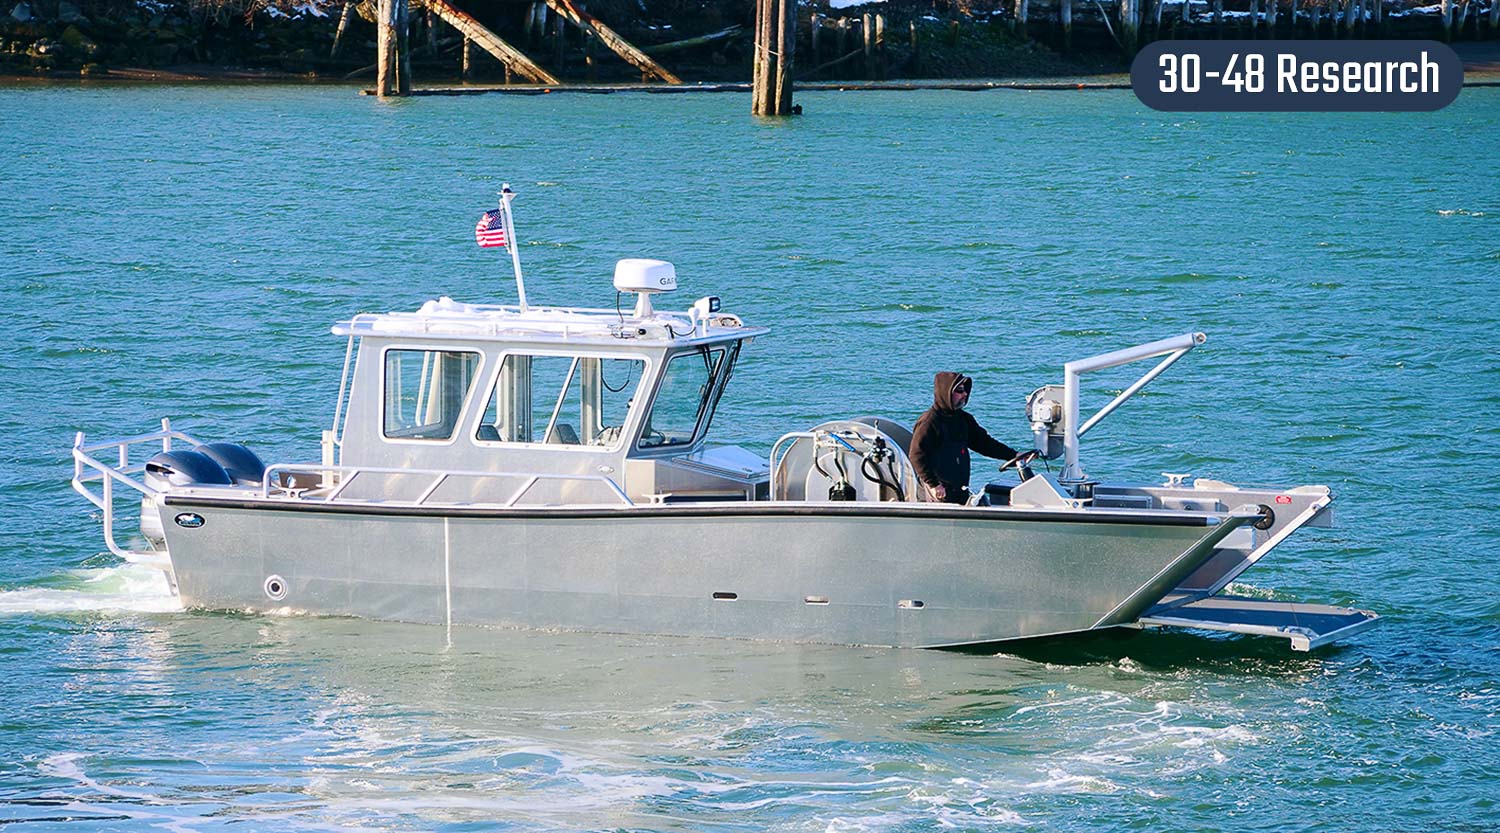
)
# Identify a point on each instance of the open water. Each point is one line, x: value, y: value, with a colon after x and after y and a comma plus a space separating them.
x: 181, y: 251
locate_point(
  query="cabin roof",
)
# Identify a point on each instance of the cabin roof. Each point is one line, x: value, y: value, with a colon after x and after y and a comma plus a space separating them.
x: 446, y: 318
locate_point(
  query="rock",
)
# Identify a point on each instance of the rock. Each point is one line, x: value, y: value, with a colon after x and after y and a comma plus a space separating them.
x: 69, y: 13
x: 78, y: 42
x: 21, y: 13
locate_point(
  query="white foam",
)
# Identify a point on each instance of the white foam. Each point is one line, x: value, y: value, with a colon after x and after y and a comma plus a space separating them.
x: 129, y: 588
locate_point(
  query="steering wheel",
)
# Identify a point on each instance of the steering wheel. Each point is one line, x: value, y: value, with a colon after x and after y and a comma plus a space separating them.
x: 1022, y: 464
x: 652, y: 438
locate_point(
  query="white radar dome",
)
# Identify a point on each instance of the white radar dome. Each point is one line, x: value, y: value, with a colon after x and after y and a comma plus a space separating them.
x: 638, y: 274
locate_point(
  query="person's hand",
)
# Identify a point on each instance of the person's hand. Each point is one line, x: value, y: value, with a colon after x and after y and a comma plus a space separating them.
x: 938, y: 492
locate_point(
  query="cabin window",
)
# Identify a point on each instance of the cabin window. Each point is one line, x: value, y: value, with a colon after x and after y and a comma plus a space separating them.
x: 684, y: 399
x: 560, y: 400
x: 425, y: 392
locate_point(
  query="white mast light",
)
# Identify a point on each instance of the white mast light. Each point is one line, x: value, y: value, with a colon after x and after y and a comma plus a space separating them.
x: 645, y: 277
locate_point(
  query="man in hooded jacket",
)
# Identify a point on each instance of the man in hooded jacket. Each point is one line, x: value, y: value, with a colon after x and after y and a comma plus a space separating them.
x: 944, y: 435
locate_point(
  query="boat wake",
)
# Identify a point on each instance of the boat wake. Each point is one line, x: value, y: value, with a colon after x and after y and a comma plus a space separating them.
x: 127, y: 588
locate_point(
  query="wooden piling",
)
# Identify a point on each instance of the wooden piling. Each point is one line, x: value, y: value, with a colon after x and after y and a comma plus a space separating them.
x: 867, y: 30
x: 1022, y: 7
x: 760, y: 65
x: 392, y: 55
x: 815, y: 38
x: 880, y: 46
x: 1494, y: 27
x: 775, y: 43
x: 786, y: 47
x: 916, y: 51
x: 1271, y: 19
x: 841, y: 42
x: 1130, y: 17
x: 466, y: 54
x: 1065, y: 17
x: 1219, y: 19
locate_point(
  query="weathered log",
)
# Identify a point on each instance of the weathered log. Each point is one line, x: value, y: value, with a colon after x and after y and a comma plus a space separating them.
x: 853, y: 53
x: 700, y: 40
x: 610, y: 38
x: 338, y: 34
x: 506, y: 54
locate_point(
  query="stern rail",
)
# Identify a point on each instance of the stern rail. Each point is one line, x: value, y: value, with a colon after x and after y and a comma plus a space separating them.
x: 88, y: 469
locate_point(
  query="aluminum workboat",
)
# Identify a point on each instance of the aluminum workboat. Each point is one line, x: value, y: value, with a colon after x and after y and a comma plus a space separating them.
x: 548, y: 467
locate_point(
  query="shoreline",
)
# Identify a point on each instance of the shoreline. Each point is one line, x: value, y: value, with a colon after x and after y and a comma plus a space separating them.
x: 1481, y: 61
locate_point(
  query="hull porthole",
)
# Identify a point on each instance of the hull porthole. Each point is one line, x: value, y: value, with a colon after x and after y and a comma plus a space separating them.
x: 275, y: 588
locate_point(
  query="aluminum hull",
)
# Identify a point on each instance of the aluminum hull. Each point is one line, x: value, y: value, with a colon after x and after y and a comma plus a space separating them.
x: 912, y: 576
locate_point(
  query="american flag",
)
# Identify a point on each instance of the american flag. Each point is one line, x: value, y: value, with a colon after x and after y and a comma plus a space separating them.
x: 491, y: 229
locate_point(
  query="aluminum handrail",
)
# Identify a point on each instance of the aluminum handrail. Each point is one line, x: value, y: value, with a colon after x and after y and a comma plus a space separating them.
x: 88, y: 469
x: 347, y: 474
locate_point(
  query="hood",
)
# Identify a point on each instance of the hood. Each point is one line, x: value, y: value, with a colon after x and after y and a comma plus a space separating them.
x: 942, y: 389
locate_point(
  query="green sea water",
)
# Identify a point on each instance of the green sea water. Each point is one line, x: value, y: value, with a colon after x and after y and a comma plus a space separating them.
x: 182, y: 251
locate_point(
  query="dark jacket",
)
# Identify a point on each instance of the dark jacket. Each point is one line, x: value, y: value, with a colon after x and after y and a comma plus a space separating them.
x: 944, y: 435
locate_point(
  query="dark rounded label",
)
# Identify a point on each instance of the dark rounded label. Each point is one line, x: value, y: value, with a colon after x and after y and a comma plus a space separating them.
x: 189, y: 520
x: 1296, y: 75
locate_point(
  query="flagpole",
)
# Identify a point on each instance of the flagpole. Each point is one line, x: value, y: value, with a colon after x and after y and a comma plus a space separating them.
x: 506, y: 195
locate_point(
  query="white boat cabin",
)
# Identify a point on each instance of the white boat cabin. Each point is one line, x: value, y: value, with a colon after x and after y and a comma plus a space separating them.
x: 596, y: 405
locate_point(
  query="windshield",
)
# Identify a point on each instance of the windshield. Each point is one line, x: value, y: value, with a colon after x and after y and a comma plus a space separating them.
x: 684, y: 402
x: 560, y: 400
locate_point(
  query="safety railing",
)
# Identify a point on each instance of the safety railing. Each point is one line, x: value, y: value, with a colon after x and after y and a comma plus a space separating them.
x: 272, y: 482
x: 89, y: 469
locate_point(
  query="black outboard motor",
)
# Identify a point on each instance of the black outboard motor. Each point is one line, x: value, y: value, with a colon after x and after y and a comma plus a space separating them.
x: 176, y: 468
x: 185, y: 468
x: 238, y: 461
